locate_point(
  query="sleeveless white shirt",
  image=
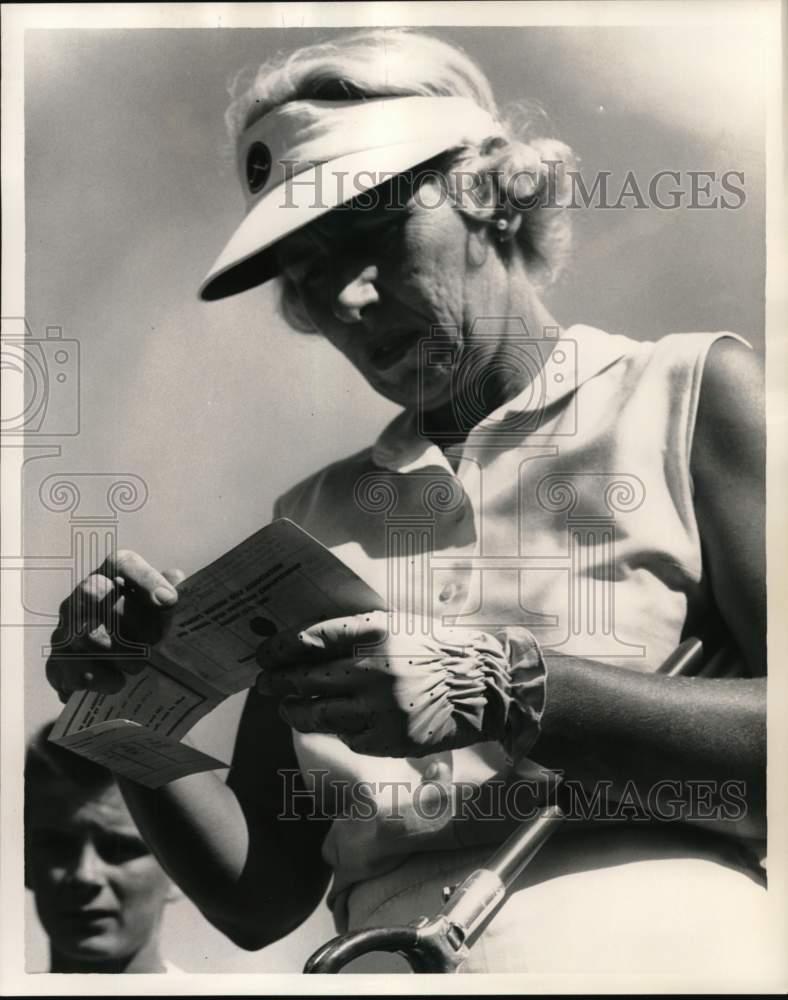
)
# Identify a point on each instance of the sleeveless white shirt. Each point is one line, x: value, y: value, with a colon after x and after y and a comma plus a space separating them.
x: 568, y: 510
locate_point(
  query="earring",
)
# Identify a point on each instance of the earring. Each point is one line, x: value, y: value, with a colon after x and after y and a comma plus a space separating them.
x: 506, y: 229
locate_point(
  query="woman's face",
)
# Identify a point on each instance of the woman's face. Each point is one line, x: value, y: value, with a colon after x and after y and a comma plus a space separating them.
x: 378, y: 281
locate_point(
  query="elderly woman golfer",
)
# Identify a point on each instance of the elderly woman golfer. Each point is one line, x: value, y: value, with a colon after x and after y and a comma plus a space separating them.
x: 551, y: 513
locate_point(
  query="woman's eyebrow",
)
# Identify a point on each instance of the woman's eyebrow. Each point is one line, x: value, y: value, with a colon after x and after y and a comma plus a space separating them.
x: 346, y: 224
x: 339, y: 226
x: 298, y: 245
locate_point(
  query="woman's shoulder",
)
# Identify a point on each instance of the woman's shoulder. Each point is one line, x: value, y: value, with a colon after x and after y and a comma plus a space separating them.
x: 714, y: 367
x: 698, y: 345
x: 688, y: 365
x: 667, y: 356
x: 731, y: 402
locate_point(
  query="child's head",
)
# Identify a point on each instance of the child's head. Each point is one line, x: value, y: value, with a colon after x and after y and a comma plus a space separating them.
x: 99, y: 891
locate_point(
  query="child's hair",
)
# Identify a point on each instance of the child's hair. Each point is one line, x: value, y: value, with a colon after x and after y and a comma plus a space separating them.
x: 47, y: 762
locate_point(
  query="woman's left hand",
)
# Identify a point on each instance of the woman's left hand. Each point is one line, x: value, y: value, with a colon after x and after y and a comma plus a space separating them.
x: 388, y: 694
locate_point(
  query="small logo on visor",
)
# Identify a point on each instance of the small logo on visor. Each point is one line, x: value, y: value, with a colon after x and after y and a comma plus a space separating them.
x: 258, y: 166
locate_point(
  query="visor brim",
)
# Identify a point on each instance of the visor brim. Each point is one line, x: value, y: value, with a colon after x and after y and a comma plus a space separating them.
x: 249, y: 258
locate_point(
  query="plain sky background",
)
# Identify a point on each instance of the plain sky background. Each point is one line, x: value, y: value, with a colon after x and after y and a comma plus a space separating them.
x: 131, y: 193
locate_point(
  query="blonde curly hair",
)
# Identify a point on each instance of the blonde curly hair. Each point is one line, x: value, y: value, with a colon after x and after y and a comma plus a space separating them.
x: 521, y: 177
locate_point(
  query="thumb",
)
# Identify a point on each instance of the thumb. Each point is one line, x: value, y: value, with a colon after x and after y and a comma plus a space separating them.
x: 174, y: 576
x: 343, y: 633
x: 325, y: 640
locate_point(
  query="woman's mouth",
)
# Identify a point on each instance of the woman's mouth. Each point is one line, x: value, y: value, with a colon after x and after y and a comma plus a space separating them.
x: 393, y: 350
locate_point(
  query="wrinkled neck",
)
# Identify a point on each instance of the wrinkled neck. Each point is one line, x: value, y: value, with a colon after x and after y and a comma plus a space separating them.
x: 496, y: 377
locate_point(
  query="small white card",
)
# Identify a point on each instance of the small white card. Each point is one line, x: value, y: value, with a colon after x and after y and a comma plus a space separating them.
x: 280, y: 577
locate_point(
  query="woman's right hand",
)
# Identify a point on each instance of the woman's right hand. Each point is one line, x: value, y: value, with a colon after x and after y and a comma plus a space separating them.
x: 126, y: 601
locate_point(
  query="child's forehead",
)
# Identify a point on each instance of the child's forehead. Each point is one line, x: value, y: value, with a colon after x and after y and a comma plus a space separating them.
x: 63, y: 804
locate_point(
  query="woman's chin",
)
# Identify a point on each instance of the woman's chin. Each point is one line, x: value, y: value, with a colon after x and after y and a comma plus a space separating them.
x: 413, y: 392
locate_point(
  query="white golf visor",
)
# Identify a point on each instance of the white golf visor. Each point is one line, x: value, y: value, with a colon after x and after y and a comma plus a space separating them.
x: 307, y: 157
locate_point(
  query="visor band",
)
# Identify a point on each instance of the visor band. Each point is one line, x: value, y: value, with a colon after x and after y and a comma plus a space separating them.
x: 301, y: 134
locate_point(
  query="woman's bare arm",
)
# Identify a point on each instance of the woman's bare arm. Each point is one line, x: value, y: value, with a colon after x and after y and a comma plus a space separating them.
x: 252, y: 876
x: 604, y: 724
x: 606, y: 728
x: 256, y: 878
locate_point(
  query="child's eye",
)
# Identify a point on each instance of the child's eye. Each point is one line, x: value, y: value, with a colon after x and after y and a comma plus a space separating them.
x: 55, y: 841
x: 120, y: 849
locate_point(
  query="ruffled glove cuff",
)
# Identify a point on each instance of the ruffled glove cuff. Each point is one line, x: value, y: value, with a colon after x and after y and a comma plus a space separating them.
x: 508, y: 671
x: 413, y: 696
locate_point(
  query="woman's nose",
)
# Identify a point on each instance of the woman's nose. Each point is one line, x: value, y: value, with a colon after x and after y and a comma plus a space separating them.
x: 356, y: 291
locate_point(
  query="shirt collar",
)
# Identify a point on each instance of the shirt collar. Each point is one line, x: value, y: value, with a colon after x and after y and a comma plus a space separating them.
x: 578, y: 354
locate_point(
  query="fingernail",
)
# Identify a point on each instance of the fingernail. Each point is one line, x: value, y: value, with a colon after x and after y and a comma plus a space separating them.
x: 432, y: 771
x: 165, y: 596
